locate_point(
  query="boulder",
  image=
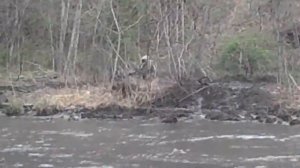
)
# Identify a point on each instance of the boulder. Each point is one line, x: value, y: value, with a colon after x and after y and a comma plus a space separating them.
x: 170, y: 119
x: 270, y: 120
x: 295, y: 122
x: 220, y: 116
x: 3, y: 98
x: 285, y: 117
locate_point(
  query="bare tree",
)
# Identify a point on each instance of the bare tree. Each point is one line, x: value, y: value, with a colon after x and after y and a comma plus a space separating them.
x: 81, y: 39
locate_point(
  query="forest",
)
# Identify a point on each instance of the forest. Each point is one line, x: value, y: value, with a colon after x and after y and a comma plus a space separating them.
x: 94, y: 46
x: 90, y: 40
x: 150, y: 83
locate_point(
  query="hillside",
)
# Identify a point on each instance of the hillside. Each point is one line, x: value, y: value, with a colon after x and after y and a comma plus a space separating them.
x: 77, y: 43
x: 88, y: 39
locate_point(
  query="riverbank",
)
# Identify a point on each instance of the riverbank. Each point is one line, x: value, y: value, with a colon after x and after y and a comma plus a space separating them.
x: 226, y: 99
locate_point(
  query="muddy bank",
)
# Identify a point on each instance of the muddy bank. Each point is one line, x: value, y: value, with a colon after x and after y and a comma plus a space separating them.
x: 221, y: 100
x: 230, y: 100
x: 116, y: 112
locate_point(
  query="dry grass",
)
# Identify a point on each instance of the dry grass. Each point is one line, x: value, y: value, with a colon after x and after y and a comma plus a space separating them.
x: 15, y: 106
x: 283, y: 95
x: 91, y: 97
x: 87, y: 96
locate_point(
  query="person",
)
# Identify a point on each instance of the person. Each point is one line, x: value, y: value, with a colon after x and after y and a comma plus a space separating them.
x: 147, y: 67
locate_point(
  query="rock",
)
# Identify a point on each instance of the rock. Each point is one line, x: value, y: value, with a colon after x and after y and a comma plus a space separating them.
x: 274, y: 110
x: 126, y: 116
x: 204, y: 81
x: 170, y: 119
x: 295, y: 122
x: 27, y: 107
x: 259, y: 118
x: 215, y: 115
x: 51, y: 110
x: 249, y: 116
x: 3, y: 103
x: 221, y: 116
x: 233, y: 114
x: 74, y: 117
x: 270, y: 120
x: 285, y: 117
x: 180, y: 115
x: 3, y: 98
x: 295, y: 112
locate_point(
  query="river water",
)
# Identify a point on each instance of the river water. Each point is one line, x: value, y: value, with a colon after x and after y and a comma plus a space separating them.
x: 195, y: 143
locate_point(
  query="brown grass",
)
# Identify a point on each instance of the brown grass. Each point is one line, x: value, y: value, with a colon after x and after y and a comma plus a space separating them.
x: 283, y: 95
x: 91, y: 96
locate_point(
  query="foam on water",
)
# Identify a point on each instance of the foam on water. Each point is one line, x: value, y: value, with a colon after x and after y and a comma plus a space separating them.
x: 289, y: 138
x: 294, y: 158
x: 142, y: 136
x: 61, y: 155
x: 198, y: 139
x: 76, y: 134
x: 46, y: 165
x: 244, y: 137
x: 22, y: 148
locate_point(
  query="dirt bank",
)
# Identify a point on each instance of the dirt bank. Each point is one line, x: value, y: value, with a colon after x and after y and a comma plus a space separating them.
x: 223, y: 100
x: 232, y: 100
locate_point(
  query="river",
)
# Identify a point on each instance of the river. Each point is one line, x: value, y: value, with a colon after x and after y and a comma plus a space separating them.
x: 195, y: 143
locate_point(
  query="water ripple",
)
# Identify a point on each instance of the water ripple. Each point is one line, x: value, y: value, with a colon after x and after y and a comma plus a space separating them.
x: 76, y: 134
x: 294, y: 158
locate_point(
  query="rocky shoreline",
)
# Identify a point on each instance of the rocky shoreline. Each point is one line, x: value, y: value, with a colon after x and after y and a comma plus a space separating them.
x: 220, y: 100
x: 236, y: 101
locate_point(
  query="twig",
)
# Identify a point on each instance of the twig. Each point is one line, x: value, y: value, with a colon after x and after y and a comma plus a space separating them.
x: 106, y: 28
x: 293, y: 80
x: 130, y: 26
x: 115, y: 50
x: 38, y: 65
x: 193, y: 93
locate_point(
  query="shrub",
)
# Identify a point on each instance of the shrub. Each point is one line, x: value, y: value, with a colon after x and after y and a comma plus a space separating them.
x: 15, y: 107
x: 248, y: 54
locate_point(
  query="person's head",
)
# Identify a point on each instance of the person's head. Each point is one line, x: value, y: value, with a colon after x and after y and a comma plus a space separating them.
x: 144, y: 59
